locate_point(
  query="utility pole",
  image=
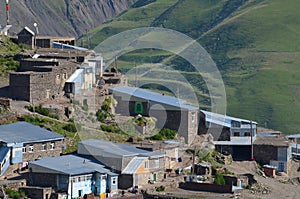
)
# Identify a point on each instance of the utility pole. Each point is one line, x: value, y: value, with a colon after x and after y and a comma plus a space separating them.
x: 193, y: 166
x: 7, y: 12
x: 252, y: 158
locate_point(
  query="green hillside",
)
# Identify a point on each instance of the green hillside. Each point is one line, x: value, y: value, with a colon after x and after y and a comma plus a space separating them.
x: 256, y: 45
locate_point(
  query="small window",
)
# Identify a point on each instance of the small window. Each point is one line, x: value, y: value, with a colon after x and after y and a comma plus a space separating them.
x: 193, y: 117
x: 146, y: 165
x: 65, y: 75
x: 58, y: 77
x: 24, y: 150
x: 44, y: 147
x: 247, y: 134
x: 103, y: 177
x: 79, y: 179
x: 73, y: 179
x: 156, y: 163
x: 236, y: 134
x: 52, y: 146
x: 31, y: 148
x: 114, y: 181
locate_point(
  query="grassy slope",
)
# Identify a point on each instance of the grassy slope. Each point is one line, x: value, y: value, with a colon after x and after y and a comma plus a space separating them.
x: 256, y: 49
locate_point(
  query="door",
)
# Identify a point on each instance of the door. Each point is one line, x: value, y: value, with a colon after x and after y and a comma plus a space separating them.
x: 154, y: 177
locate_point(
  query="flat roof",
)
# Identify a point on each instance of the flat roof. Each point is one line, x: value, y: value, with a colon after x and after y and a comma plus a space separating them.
x: 71, y: 165
x: 23, y: 132
x: 115, y: 149
x: 154, y: 97
x: 223, y: 120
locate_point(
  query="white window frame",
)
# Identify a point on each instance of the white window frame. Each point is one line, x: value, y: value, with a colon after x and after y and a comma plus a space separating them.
x: 44, y: 147
x: 156, y: 163
x: 52, y: 145
x: 31, y: 148
x: 146, y: 165
x: 24, y: 149
x: 193, y: 117
x: 114, y: 180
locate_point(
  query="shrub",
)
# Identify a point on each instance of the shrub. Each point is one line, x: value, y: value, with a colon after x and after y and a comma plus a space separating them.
x: 70, y: 128
x: 15, y: 194
x: 219, y: 179
x: 160, y: 188
x: 164, y: 134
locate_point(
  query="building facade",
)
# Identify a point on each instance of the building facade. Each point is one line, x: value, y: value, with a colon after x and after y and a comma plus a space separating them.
x: 170, y: 112
x: 73, y: 175
x: 135, y: 166
x: 22, y: 142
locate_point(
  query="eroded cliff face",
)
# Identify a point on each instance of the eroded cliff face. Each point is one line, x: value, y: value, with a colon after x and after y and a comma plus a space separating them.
x: 61, y: 17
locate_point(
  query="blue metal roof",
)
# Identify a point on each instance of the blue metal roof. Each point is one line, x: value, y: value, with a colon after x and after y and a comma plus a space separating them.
x: 70, y: 165
x: 115, y: 149
x: 23, y: 132
x: 223, y: 120
x: 67, y: 46
x: 3, y: 151
x: 153, y: 96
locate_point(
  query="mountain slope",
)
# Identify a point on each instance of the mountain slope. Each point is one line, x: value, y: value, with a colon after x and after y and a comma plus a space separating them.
x: 255, y: 44
x: 61, y: 17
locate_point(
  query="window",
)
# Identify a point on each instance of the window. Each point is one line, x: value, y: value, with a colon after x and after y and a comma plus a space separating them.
x: 247, y: 134
x: 44, y: 147
x: 156, y: 163
x: 193, y: 117
x: 103, y: 177
x: 79, y: 179
x: 114, y: 181
x: 146, y: 165
x: 31, y: 148
x: 65, y: 75
x: 57, y: 77
x: 52, y: 146
x: 237, y: 134
x: 24, y: 150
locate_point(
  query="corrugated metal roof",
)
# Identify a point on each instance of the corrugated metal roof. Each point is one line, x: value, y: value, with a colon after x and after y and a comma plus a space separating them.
x: 115, y: 149
x: 153, y: 96
x: 75, y: 75
x: 23, y: 132
x: 223, y: 120
x: 293, y: 136
x: 134, y: 165
x: 67, y: 46
x: 71, y: 165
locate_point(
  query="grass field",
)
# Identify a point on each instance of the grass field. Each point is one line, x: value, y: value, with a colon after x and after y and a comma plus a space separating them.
x: 255, y: 44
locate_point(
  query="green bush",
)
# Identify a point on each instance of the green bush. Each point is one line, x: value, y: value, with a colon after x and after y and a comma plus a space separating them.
x: 112, y: 129
x: 70, y: 128
x: 15, y: 194
x: 160, y: 188
x: 164, y: 134
x: 219, y: 179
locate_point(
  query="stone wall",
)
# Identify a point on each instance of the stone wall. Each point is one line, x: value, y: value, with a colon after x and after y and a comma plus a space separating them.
x: 264, y: 153
x: 37, y: 86
x: 43, y: 180
x: 38, y: 152
x: 206, y: 187
x: 37, y: 192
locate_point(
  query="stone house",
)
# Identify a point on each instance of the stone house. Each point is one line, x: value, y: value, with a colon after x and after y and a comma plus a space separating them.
x: 169, y: 147
x: 73, y: 175
x: 273, y: 148
x: 170, y: 112
x: 22, y: 142
x: 43, y: 75
x: 135, y: 166
x: 231, y: 135
x: 31, y: 39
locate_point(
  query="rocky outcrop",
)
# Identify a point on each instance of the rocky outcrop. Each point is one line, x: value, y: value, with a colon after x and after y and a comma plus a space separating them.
x: 61, y: 17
